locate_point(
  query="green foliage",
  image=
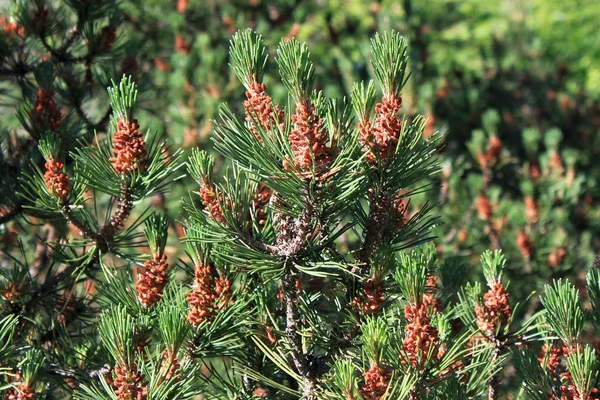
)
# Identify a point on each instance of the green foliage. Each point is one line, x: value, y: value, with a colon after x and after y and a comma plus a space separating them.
x: 390, y: 59
x: 564, y: 311
x: 248, y: 57
x: 296, y: 69
x: 306, y: 281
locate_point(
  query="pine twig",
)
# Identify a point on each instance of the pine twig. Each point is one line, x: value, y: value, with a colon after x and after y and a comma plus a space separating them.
x: 292, y: 321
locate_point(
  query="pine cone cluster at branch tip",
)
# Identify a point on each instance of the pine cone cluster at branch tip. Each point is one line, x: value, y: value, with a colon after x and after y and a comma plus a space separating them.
x: 494, y: 311
x: 209, y: 294
x: 11, y: 29
x: 39, y: 21
x: 259, y: 107
x: 556, y: 163
x: 492, y: 154
x: 376, y: 383
x: 567, y: 389
x: 534, y: 170
x: 531, y: 210
x: 182, y: 46
x: 153, y: 280
x: 371, y: 299
x: 525, y: 244
x: 552, y: 356
x: 433, y: 304
x: 129, y: 147
x: 379, y: 139
x: 45, y: 115
x: 556, y: 257
x: 23, y: 392
x: 484, y: 207
x: 129, y: 384
x: 261, y: 200
x: 12, y: 292
x: 56, y: 180
x: 107, y: 37
x: 210, y: 201
x: 182, y: 5
x: 172, y: 365
x: 421, y: 337
x: 309, y: 138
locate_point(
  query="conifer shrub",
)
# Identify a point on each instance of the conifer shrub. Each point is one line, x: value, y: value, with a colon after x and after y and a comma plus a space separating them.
x: 299, y: 269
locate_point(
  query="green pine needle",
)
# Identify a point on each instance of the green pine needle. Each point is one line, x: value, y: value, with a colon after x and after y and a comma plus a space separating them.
x: 564, y: 311
x: 584, y: 367
x: 200, y: 165
x: 375, y: 339
x: 493, y: 264
x: 157, y: 231
x: 296, y: 69
x: 593, y: 287
x: 248, y: 56
x: 50, y: 145
x: 123, y: 99
x: 363, y: 100
x: 390, y: 59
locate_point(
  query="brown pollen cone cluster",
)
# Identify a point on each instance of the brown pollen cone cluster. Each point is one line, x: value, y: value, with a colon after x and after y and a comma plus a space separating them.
x: 129, y: 384
x: 182, y: 5
x: 171, y: 363
x: 261, y: 200
x: 376, y: 383
x: 495, y: 310
x: 12, y: 292
x: 182, y: 46
x: 380, y: 138
x: 429, y: 298
x: 531, y: 210
x: 556, y: 164
x: 56, y: 180
x: 11, y: 29
x: 568, y: 391
x: 39, y: 21
x: 24, y: 392
x: 525, y: 244
x: 208, y: 295
x: 45, y: 114
x: 309, y: 138
x: 153, y: 280
x: 554, y: 356
x: 492, y: 153
x: 371, y: 299
x: 484, y: 207
x: 421, y: 337
x: 107, y: 37
x: 556, y: 257
x: 208, y: 194
x: 128, y: 146
x: 259, y: 108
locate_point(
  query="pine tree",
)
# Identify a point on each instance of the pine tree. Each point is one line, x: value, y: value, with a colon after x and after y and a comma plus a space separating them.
x: 306, y: 272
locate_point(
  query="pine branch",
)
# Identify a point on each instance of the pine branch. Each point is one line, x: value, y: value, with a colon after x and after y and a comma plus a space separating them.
x: 296, y: 69
x: 248, y: 57
x: 292, y: 322
x: 123, y: 99
x: 390, y: 59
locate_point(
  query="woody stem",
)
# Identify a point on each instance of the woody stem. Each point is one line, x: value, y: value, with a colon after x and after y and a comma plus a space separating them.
x: 292, y: 322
